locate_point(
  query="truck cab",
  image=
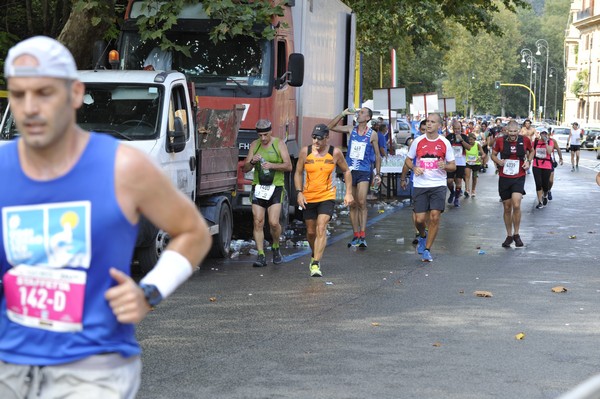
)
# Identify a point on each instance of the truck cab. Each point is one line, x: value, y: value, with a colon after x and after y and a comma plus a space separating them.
x: 155, y: 112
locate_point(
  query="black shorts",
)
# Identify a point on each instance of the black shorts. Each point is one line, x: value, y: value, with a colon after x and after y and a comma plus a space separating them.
x: 276, y: 198
x: 314, y: 209
x: 486, y: 149
x: 429, y: 198
x: 458, y: 173
x: 508, y: 185
x: 575, y: 148
x: 359, y: 176
x: 474, y: 168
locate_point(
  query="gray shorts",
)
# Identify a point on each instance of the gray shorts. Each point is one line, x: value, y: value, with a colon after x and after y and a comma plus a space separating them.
x: 429, y: 198
x: 107, y: 376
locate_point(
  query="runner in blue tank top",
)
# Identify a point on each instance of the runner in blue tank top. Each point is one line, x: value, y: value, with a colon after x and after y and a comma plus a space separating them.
x: 363, y: 151
x: 71, y: 204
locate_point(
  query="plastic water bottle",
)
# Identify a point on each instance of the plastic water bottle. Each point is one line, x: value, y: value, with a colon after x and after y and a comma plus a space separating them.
x: 340, y: 189
x: 375, y: 185
x: 266, y: 172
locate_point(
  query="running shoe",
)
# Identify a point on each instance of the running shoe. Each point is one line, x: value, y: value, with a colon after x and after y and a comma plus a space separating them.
x: 261, y: 261
x: 354, y: 242
x: 545, y: 200
x: 456, y: 202
x: 577, y: 167
x: 277, y: 258
x: 466, y: 194
x: 426, y: 256
x: 518, y: 242
x: 451, y: 197
x: 539, y: 205
x: 315, y: 270
x: 421, y: 245
x: 362, y: 242
x: 572, y: 169
x: 549, y: 195
x: 473, y: 194
x: 507, y: 242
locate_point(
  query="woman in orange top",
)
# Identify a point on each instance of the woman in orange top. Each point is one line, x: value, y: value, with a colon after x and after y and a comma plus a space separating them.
x: 317, y: 196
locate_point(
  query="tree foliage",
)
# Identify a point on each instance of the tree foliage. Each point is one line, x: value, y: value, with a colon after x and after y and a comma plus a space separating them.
x: 379, y: 21
x: 427, y: 34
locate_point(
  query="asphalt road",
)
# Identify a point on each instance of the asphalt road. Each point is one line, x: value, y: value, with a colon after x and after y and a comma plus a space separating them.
x: 382, y: 324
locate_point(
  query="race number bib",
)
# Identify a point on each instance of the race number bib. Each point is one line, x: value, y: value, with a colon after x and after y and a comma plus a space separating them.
x: 541, y: 152
x: 471, y: 159
x: 511, y: 167
x: 357, y: 150
x: 48, y: 299
x: 428, y: 163
x: 457, y: 151
x: 264, y: 192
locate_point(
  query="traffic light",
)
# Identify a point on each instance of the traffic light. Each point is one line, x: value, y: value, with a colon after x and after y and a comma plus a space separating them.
x: 497, y: 85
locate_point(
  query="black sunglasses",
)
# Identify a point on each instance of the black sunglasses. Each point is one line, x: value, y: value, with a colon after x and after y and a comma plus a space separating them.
x: 314, y: 136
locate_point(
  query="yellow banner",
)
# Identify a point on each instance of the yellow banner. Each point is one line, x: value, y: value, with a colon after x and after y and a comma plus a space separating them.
x: 3, y: 94
x: 357, y: 81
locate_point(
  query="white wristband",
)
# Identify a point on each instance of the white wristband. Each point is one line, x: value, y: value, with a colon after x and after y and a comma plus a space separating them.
x: 171, y: 270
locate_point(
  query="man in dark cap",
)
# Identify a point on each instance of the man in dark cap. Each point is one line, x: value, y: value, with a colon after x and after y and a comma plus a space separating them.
x: 317, y: 196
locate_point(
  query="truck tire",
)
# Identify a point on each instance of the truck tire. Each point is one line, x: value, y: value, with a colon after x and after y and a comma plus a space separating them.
x: 148, y: 256
x: 222, y: 240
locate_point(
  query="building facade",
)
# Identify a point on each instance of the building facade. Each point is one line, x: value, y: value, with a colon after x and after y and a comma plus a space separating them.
x: 582, y: 64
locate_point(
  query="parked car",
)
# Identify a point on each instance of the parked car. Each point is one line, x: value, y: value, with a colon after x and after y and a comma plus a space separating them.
x: 403, y: 131
x: 561, y: 135
x: 596, y: 145
x: 591, y: 134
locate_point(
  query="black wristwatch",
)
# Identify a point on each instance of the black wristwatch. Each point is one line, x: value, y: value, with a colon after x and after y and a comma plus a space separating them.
x: 298, y: 192
x: 152, y: 294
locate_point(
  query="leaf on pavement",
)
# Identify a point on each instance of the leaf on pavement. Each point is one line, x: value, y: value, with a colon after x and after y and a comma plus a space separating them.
x: 572, y: 237
x: 375, y: 324
x: 559, y: 288
x: 483, y: 294
x: 437, y: 344
x: 520, y: 335
x: 213, y: 299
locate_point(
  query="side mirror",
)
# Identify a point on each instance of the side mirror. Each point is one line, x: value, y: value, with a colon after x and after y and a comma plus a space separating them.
x: 296, y: 70
x: 176, y: 138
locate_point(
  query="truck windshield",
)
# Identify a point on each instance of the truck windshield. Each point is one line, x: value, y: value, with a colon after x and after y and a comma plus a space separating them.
x: 125, y: 111
x: 241, y: 63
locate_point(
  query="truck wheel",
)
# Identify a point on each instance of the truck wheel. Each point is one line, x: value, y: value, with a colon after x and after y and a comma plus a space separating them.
x: 222, y: 240
x: 148, y: 256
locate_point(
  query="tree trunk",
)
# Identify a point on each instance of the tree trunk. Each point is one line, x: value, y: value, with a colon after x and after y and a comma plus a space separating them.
x: 29, y: 12
x: 45, y: 18
x: 79, y: 34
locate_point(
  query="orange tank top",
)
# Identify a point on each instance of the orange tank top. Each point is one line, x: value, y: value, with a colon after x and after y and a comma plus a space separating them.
x: 318, y: 176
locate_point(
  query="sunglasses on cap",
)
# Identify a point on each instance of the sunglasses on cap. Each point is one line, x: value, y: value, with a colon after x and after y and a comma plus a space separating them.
x: 318, y: 137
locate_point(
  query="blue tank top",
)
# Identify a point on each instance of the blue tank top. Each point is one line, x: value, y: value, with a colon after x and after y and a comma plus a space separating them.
x: 360, y: 155
x: 59, y: 239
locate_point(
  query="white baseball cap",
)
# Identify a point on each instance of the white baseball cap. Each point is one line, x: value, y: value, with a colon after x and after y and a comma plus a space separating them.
x: 54, y: 59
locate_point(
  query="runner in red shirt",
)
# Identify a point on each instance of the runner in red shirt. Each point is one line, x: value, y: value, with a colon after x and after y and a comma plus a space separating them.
x: 516, y: 153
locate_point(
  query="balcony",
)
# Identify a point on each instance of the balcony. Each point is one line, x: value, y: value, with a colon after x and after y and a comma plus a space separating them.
x: 584, y: 14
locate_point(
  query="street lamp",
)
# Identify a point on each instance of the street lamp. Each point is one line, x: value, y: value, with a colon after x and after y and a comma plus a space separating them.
x: 553, y: 71
x: 468, y: 90
x: 537, y: 66
x: 529, y: 54
x: 541, y: 43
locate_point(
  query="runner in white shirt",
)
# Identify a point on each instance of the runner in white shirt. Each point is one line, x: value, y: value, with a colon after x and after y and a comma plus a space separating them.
x: 574, y: 145
x: 430, y: 157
